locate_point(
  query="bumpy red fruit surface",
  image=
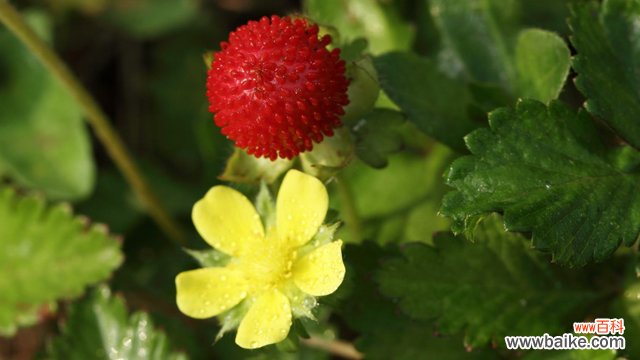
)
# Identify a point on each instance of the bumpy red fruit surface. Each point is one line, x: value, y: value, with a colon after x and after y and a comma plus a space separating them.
x: 275, y: 89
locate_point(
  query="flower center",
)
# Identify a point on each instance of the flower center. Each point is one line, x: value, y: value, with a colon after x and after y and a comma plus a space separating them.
x: 268, y: 267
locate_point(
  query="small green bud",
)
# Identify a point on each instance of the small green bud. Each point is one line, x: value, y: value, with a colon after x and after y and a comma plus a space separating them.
x: 208, y: 58
x: 364, y: 89
x: 244, y: 168
x: 330, y: 156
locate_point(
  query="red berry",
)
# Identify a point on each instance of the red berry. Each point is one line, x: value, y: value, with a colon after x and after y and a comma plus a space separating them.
x: 275, y: 88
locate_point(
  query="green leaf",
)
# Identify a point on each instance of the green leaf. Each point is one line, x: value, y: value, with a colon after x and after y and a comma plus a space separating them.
x: 384, y: 332
x: 99, y: 327
x: 377, y: 135
x: 542, y: 62
x: 547, y: 170
x: 493, y: 287
x: 43, y: 141
x: 485, y: 41
x: 46, y: 254
x: 547, y: 14
x: 380, y: 193
x: 607, y: 61
x: 423, y: 220
x: 487, y: 97
x: 434, y: 102
x: 627, y: 306
x: 481, y: 34
x: 378, y: 22
x: 395, y: 214
x: 405, y: 339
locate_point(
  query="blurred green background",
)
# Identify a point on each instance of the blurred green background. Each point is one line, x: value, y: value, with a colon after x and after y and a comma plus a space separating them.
x: 143, y: 62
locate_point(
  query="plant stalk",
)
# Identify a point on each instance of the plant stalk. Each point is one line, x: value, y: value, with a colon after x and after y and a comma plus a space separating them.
x: 338, y: 348
x: 347, y: 201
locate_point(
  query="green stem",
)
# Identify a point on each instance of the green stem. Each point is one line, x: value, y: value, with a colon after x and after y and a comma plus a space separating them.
x: 94, y: 116
x: 347, y: 201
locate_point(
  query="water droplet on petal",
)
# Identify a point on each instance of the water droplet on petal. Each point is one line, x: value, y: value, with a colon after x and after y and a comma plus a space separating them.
x: 310, y: 302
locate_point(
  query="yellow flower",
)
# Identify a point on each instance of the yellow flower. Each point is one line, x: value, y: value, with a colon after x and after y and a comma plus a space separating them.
x: 276, y: 269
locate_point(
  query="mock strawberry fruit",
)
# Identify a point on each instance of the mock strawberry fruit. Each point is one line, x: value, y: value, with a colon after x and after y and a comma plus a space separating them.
x: 275, y: 89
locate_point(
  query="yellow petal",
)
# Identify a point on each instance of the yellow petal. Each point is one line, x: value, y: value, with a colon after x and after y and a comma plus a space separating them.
x: 267, y: 322
x: 227, y: 220
x: 207, y: 292
x: 320, y: 272
x: 301, y: 207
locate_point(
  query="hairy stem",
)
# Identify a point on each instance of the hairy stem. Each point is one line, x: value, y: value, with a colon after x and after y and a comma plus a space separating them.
x: 94, y: 116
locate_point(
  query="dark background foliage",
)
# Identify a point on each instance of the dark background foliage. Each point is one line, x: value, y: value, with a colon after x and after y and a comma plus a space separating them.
x: 444, y: 298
